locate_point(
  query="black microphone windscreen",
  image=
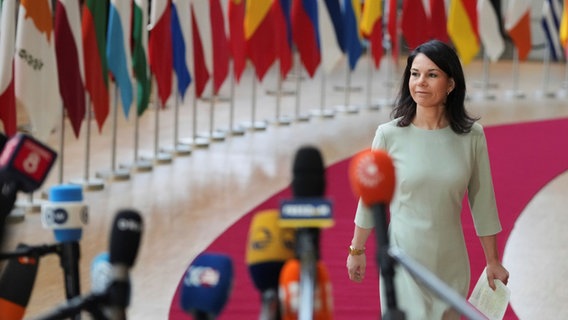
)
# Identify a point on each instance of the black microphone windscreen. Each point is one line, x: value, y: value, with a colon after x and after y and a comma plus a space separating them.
x: 308, y: 173
x: 125, y: 237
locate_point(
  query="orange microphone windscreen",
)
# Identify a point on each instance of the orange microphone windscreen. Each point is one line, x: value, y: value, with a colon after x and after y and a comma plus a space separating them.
x: 372, y: 176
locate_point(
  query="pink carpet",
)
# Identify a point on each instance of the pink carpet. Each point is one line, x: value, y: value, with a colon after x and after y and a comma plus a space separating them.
x: 524, y: 158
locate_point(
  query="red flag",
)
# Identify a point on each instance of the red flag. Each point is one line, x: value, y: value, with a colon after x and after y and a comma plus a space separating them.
x: 237, y: 36
x: 282, y: 35
x: 259, y: 35
x: 414, y: 23
x: 220, y: 45
x: 94, y: 48
x: 305, y: 33
x: 200, y: 68
x: 7, y: 49
x: 160, y: 52
x: 392, y: 28
x: 438, y: 20
x: 69, y: 52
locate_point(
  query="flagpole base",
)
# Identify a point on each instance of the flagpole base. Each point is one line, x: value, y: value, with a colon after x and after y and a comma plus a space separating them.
x: 237, y: 131
x: 282, y: 121
x: 17, y: 215
x: 323, y: 113
x: 348, y: 89
x: 116, y: 174
x: 216, y: 135
x: 350, y: 109
x: 256, y: 126
x: 545, y: 94
x: 160, y: 158
x: 515, y: 94
x: 197, y: 142
x: 303, y: 117
x: 140, y: 165
x: 179, y: 150
x: 89, y: 184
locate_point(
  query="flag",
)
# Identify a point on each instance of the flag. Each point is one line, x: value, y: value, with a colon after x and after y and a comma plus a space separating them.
x: 462, y: 28
x: 305, y: 32
x: 160, y: 47
x: 518, y: 25
x: 220, y: 45
x: 438, y: 21
x: 392, y: 28
x: 69, y: 49
x: 180, y: 30
x: 237, y: 36
x: 35, y: 67
x: 414, y: 23
x: 7, y: 47
x: 118, y: 50
x: 139, y: 58
x: 331, y: 33
x: 94, y: 26
x: 351, y: 18
x: 550, y: 21
x: 564, y: 28
x: 201, y: 72
x: 259, y: 35
x: 490, y: 30
x: 372, y: 28
x: 282, y: 35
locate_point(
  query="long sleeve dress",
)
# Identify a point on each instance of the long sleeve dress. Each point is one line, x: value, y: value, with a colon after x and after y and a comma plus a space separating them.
x: 434, y: 170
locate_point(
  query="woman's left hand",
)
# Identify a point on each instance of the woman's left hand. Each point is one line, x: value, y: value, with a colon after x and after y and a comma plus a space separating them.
x: 496, y: 271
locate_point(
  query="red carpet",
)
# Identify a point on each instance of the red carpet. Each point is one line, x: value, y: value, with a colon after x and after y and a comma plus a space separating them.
x: 524, y: 158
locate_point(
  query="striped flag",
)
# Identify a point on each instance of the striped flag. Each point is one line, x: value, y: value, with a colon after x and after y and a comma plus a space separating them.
x: 351, y: 18
x: 69, y: 49
x: 201, y: 72
x: 490, y: 30
x: 462, y: 28
x: 331, y: 33
x: 414, y: 23
x: 550, y: 21
x: 438, y: 21
x: 7, y: 47
x: 94, y: 26
x: 139, y: 58
x: 305, y: 32
x: 160, y: 48
x: 392, y: 28
x: 35, y: 67
x: 180, y: 32
x: 220, y: 45
x: 259, y: 35
x: 564, y: 28
x: 372, y: 28
x: 282, y: 35
x: 518, y: 25
x: 237, y: 36
x: 118, y: 50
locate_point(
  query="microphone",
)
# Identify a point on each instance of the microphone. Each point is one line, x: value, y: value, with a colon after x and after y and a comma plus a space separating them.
x: 100, y: 273
x: 16, y: 285
x: 289, y: 294
x: 27, y: 161
x: 308, y: 211
x: 110, y: 304
x: 66, y: 213
x: 268, y: 247
x: 207, y: 285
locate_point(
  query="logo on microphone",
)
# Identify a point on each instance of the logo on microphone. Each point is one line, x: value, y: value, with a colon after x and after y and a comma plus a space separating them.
x: 199, y: 276
x: 368, y: 172
x: 129, y: 225
x: 56, y: 216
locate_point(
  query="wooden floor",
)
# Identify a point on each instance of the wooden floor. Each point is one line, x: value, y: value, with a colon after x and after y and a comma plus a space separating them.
x: 187, y: 203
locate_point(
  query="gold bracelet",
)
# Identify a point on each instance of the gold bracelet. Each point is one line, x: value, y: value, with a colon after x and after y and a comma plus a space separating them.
x: 356, y: 252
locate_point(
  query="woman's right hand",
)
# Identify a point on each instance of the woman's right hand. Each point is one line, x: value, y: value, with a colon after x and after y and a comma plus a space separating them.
x: 356, y: 267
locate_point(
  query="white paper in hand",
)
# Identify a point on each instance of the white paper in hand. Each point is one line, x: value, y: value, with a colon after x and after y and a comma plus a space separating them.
x: 492, y: 304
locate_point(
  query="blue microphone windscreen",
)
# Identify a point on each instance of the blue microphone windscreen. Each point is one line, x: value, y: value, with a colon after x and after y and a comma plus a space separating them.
x: 67, y: 235
x: 265, y: 275
x: 66, y: 193
x: 207, y: 284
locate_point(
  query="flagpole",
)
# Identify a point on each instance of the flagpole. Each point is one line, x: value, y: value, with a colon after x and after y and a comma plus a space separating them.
x: 195, y: 141
x: 61, y: 144
x: 299, y: 116
x: 485, y: 95
x: 254, y: 125
x: 322, y: 112
x: 545, y: 92
x: 214, y: 135
x: 347, y: 108
x: 370, y: 105
x: 114, y: 173
x: 89, y: 184
x: 234, y: 130
x: 515, y: 92
x: 180, y: 149
x: 160, y: 157
x: 388, y: 101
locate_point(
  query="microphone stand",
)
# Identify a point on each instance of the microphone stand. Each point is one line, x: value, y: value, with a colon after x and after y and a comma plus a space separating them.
x: 308, y: 253
x: 387, y: 256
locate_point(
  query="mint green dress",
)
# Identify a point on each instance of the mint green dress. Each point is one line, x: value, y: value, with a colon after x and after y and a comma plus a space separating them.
x: 435, y: 169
